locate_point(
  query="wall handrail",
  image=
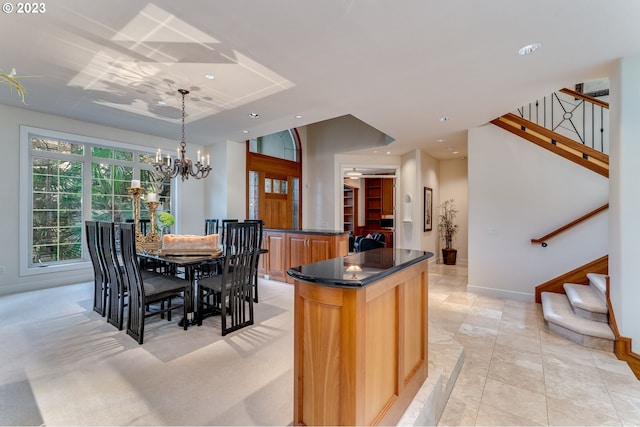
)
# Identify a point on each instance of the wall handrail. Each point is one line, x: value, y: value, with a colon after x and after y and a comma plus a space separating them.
x: 543, y: 240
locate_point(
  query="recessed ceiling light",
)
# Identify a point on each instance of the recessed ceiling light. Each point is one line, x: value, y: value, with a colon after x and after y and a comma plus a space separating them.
x: 456, y: 152
x: 209, y: 76
x: 444, y: 119
x: 245, y: 131
x: 440, y: 140
x: 298, y: 116
x: 254, y: 115
x: 528, y: 49
x: 388, y: 152
x: 161, y: 102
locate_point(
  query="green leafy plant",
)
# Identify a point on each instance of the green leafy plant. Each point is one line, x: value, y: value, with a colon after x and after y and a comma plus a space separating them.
x: 11, y: 79
x: 447, y: 228
x: 166, y: 219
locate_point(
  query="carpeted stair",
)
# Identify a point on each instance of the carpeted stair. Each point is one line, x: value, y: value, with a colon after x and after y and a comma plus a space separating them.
x: 581, y: 315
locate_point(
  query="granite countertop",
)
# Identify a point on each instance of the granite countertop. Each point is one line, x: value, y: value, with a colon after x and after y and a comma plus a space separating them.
x: 359, y: 269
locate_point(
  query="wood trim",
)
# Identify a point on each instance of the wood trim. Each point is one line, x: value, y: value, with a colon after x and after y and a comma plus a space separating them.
x: 622, y: 345
x: 584, y: 97
x: 571, y: 150
x: 578, y: 275
x: 543, y: 239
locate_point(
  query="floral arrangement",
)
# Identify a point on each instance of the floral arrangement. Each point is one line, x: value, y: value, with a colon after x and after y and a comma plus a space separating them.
x: 446, y: 227
x: 11, y: 79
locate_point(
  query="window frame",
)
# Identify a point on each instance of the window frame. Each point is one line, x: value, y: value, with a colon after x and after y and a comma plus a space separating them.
x: 26, y: 192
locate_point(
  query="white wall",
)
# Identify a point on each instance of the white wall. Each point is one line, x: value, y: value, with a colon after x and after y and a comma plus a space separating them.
x: 453, y: 179
x: 518, y: 191
x: 188, y: 193
x: 322, y: 177
x: 624, y: 268
x: 429, y: 168
x: 225, y: 189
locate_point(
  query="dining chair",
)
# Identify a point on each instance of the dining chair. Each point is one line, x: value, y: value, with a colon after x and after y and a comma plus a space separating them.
x: 210, y: 226
x: 223, y: 227
x: 148, y: 289
x: 116, y: 288
x: 257, y: 262
x: 232, y: 289
x: 99, y: 275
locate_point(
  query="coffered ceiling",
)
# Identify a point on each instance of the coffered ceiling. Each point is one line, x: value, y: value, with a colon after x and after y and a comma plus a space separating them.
x: 399, y: 66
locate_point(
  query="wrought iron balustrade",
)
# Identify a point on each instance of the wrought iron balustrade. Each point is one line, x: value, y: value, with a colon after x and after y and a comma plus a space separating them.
x: 572, y: 114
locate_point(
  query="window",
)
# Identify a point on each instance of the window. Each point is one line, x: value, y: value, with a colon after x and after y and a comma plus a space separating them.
x: 280, y: 144
x: 68, y: 179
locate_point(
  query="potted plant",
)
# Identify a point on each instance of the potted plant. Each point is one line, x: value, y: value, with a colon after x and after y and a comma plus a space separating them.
x: 447, y: 229
x: 11, y: 79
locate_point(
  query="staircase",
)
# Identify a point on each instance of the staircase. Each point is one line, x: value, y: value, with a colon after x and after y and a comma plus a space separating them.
x: 581, y: 314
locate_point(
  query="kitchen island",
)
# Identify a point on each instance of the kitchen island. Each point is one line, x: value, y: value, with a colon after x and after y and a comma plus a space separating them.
x: 360, y: 337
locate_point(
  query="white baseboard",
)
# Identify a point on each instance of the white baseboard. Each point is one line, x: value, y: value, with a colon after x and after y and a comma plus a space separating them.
x: 501, y: 293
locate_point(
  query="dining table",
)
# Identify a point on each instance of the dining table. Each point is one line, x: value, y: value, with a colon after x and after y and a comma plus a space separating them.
x: 187, y: 266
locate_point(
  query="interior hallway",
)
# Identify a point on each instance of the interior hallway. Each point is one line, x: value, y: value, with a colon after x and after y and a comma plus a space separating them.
x: 61, y: 363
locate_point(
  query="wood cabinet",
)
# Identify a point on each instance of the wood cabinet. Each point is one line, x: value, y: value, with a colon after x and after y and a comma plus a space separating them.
x: 290, y: 249
x: 360, y: 354
x: 274, y: 260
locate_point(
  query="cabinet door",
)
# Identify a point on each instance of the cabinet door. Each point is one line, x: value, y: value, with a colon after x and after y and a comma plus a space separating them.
x: 387, y: 196
x: 298, y: 250
x: 276, y: 257
x: 319, y: 248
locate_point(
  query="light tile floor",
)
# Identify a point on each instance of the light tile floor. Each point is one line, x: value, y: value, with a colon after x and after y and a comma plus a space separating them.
x: 516, y: 372
x: 62, y: 364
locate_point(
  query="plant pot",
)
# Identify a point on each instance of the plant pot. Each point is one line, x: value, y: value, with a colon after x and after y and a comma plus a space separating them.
x: 449, y: 256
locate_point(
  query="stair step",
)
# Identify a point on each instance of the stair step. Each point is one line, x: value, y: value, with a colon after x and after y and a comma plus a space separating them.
x: 562, y: 320
x: 599, y: 281
x: 586, y: 303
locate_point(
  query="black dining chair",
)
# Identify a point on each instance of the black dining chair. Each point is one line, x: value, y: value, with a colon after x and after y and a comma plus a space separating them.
x: 146, y: 290
x: 210, y: 226
x: 223, y: 227
x: 232, y: 289
x: 99, y: 274
x: 257, y: 263
x: 116, y: 287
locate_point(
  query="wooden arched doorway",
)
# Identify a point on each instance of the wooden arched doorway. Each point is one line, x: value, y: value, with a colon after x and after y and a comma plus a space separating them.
x: 274, y: 174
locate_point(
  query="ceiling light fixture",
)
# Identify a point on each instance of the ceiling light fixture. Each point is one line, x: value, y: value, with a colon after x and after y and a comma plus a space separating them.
x: 298, y: 116
x: 254, y: 115
x: 209, y: 76
x: 182, y: 165
x: 528, y: 49
x: 354, y: 174
x: 444, y: 119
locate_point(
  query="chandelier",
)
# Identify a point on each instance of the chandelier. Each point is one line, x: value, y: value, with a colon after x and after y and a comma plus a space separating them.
x: 182, y: 165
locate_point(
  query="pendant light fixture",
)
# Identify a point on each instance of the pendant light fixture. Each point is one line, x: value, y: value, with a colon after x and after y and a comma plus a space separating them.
x: 182, y: 166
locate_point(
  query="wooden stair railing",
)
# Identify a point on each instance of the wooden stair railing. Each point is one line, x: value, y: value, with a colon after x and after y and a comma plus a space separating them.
x: 569, y: 149
x: 543, y: 240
